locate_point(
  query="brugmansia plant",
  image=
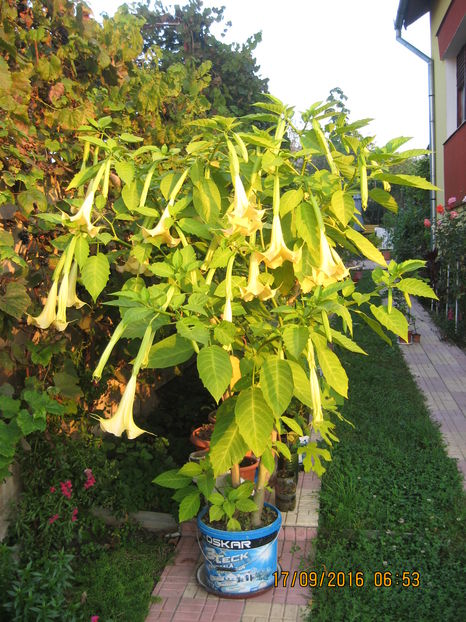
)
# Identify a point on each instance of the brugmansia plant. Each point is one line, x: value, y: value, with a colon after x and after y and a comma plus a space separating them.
x: 232, y: 247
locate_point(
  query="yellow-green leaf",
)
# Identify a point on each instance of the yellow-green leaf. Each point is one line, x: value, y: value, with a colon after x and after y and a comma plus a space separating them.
x: 394, y: 321
x: 331, y: 367
x: 227, y: 446
x: 342, y: 205
x: 215, y: 371
x: 416, y: 287
x: 254, y: 419
x: 276, y: 382
x: 366, y: 247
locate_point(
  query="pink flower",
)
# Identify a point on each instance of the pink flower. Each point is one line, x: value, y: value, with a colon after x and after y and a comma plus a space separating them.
x: 66, y: 489
x: 52, y: 489
x: 451, y: 201
x: 440, y: 209
x: 427, y: 223
x: 53, y: 518
x: 90, y: 479
x: 450, y: 315
x: 453, y: 215
x: 74, y: 516
x: 95, y: 619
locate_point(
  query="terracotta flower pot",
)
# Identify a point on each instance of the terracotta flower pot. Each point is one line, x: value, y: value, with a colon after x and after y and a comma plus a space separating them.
x: 410, y: 339
x: 200, y: 437
x: 416, y: 338
x: 248, y: 467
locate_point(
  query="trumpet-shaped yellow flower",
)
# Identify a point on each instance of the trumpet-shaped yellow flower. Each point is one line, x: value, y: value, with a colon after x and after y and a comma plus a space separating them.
x: 48, y: 315
x: 122, y: 420
x: 330, y: 269
x: 243, y: 217
x: 278, y: 252
x: 254, y: 288
x: 161, y: 232
x: 60, y: 322
x: 73, y: 300
x: 83, y: 215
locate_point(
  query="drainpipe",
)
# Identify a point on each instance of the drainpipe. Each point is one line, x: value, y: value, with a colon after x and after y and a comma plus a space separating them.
x: 430, y: 63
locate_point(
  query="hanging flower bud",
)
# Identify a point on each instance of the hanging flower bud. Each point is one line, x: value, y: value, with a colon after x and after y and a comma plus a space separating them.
x: 315, y: 397
x: 73, y: 300
x: 254, y: 288
x: 48, y: 315
x: 60, y: 322
x: 227, y: 312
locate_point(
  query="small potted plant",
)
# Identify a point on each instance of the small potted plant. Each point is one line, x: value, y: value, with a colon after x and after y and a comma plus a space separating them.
x: 230, y: 249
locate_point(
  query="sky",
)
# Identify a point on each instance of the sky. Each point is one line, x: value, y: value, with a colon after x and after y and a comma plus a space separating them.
x: 310, y: 46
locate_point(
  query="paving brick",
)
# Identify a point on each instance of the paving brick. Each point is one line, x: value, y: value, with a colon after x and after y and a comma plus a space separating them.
x: 256, y: 608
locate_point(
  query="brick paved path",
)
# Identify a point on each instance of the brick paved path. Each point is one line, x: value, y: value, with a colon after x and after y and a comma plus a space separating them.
x: 183, y: 600
x: 439, y: 369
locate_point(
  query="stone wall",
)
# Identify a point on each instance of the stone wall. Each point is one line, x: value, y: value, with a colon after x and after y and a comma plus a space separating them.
x: 9, y: 491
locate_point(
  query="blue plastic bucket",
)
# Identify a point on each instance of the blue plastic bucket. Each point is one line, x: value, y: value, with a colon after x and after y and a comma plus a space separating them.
x: 238, y: 563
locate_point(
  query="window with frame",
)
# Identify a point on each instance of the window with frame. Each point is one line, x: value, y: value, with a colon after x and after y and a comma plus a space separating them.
x: 460, y: 87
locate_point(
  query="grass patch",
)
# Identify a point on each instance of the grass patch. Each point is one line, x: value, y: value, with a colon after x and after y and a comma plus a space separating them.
x: 117, y: 586
x: 391, y: 501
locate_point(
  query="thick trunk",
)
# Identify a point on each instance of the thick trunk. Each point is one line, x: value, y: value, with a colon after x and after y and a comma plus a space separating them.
x: 259, y: 497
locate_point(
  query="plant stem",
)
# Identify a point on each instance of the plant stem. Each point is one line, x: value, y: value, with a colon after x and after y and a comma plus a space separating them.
x: 259, y: 497
x: 235, y: 476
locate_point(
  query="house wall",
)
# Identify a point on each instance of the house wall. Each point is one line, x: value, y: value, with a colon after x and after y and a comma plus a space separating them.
x: 442, y: 109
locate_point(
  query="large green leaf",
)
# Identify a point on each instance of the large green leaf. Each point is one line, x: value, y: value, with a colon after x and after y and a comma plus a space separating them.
x: 227, y: 446
x: 9, y: 436
x: 295, y: 339
x: 293, y: 425
x: 215, y: 370
x: 207, y: 200
x: 27, y: 423
x: 410, y: 265
x: 331, y: 367
x: 290, y: 201
x: 384, y: 198
x: 130, y: 195
x: 366, y: 247
x: 193, y: 329
x: 15, y: 300
x: 125, y: 170
x: 394, y: 321
x: 413, y: 181
x: 276, y: 382
x: 416, y: 288
x: 306, y: 223
x: 170, y: 351
x: 81, y: 251
x: 301, y: 384
x: 375, y: 326
x: 172, y: 479
x: 343, y: 207
x: 346, y: 342
x: 95, y: 273
x: 189, y: 506
x: 255, y: 419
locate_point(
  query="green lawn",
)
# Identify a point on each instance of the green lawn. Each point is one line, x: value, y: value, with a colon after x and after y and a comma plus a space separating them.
x: 391, y: 501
